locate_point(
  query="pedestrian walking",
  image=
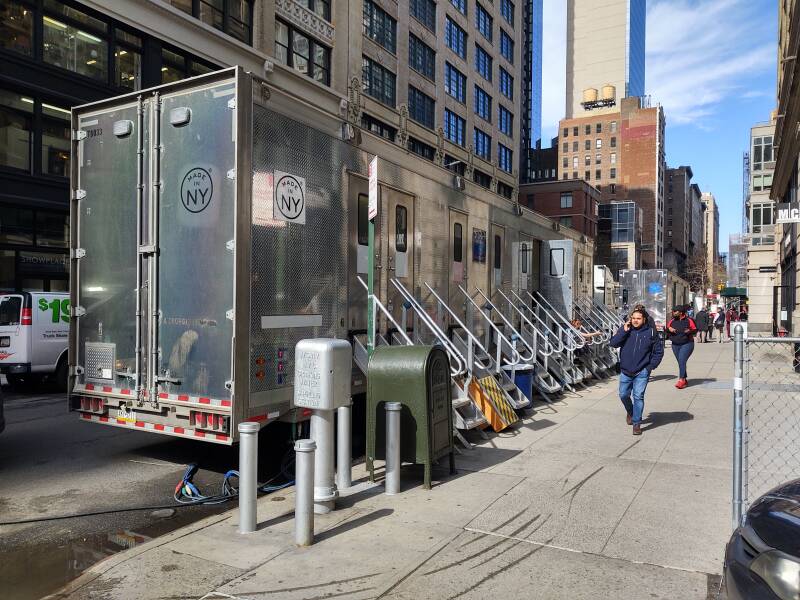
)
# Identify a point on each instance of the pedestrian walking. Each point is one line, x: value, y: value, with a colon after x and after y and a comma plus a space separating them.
x: 719, y: 324
x: 701, y: 320
x: 731, y: 315
x: 641, y: 351
x: 681, y: 330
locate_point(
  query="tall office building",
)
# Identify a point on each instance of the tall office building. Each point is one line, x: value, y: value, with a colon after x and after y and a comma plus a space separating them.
x: 605, y: 53
x: 679, y: 218
x: 531, y: 89
x: 711, y: 234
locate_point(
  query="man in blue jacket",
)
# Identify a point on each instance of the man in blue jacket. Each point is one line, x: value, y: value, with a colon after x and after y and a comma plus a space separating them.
x: 641, y: 351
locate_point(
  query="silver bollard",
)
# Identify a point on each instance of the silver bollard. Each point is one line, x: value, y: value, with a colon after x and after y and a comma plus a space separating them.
x: 248, y: 475
x: 325, y: 492
x: 344, y: 450
x: 393, y: 447
x: 304, y: 492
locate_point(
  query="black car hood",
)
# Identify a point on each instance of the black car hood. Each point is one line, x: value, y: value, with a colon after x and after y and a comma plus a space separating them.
x: 775, y: 517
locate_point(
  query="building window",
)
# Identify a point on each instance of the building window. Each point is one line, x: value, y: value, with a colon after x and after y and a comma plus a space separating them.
x: 482, y: 179
x: 235, y: 17
x: 16, y: 27
x: 454, y: 127
x: 564, y: 176
x: 483, y: 104
x: 483, y: 63
x: 506, y: 121
x: 762, y: 152
x: 378, y: 82
x: 613, y: 158
x: 587, y: 175
x: 574, y: 146
x: 504, y: 190
x: 421, y: 107
x: 421, y: 148
x: 75, y: 41
x: 565, y: 147
x: 451, y: 163
x: 56, y: 130
x: 597, y: 174
x: 504, y: 158
x: 483, y: 145
x: 566, y: 199
x: 128, y: 61
x: 295, y: 49
x: 458, y: 243
x: 425, y: 12
x: 598, y: 143
x: 507, y: 84
x: 16, y: 116
x: 613, y: 142
x: 587, y: 130
x: 599, y: 128
x: 613, y: 174
x: 400, y: 228
x: 565, y: 221
x: 587, y: 144
x: 574, y: 162
x: 598, y: 158
x: 587, y: 160
x: 613, y: 127
x: 574, y: 174
x: 566, y: 132
x: 455, y: 38
x: 377, y: 127
x: 565, y: 162
x: 507, y: 10
x: 506, y: 46
x: 461, y: 5
x: 575, y: 131
x: 455, y: 83
x: 421, y: 57
x: 379, y: 26
x: 483, y: 21
x: 613, y: 188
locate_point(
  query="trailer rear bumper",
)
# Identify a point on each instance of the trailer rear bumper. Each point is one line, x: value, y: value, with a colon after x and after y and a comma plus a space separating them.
x: 183, y: 432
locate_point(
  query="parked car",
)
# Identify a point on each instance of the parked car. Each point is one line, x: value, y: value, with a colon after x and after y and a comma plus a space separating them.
x: 762, y: 559
x: 34, y: 330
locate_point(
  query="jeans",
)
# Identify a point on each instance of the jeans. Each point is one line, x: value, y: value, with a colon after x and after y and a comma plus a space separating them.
x: 682, y: 353
x: 637, y: 384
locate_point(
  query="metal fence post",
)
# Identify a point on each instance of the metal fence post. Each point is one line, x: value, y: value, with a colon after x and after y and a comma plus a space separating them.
x: 304, y: 492
x: 248, y: 475
x: 393, y: 447
x: 738, y: 424
x: 344, y: 450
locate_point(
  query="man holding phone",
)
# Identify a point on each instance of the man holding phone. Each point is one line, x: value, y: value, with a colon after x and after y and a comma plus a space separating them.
x: 641, y: 351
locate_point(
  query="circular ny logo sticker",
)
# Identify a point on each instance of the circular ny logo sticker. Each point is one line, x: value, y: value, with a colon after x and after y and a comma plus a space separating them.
x: 289, y: 197
x: 196, y: 190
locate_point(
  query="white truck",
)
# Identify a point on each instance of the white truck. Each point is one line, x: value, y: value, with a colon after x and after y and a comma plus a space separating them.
x: 34, y: 335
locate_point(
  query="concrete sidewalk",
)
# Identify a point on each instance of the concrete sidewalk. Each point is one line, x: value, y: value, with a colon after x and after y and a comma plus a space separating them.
x: 567, y: 505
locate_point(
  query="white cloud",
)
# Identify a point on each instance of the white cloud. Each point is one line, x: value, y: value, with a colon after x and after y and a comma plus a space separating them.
x: 699, y: 53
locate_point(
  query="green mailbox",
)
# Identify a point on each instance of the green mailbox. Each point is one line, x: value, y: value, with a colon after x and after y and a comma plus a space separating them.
x: 419, y: 378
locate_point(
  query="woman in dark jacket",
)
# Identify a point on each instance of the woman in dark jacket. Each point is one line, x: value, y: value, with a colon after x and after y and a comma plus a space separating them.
x: 640, y: 353
x: 681, y: 330
x: 701, y: 320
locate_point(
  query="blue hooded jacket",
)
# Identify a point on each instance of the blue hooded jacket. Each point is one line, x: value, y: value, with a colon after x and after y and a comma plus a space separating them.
x: 640, y: 348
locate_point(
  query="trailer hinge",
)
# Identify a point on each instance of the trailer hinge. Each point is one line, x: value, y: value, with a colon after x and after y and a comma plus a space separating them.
x: 232, y: 174
x: 77, y: 253
x: 78, y: 194
x: 230, y: 245
x: 232, y: 103
x: 229, y: 314
x: 78, y: 135
x: 77, y: 311
x: 75, y: 370
x: 229, y: 384
x: 151, y: 249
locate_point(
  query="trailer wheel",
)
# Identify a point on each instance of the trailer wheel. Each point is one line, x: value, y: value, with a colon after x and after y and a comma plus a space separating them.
x: 14, y: 381
x: 61, y: 374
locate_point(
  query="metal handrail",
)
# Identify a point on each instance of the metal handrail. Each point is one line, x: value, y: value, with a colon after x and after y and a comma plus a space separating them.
x: 500, y: 336
x: 588, y: 315
x: 532, y: 356
x: 461, y: 324
x: 387, y: 314
x: 452, y: 351
x: 558, y: 318
x: 546, y: 337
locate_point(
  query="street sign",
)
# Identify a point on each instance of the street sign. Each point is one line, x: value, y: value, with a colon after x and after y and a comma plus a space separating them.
x: 373, y: 189
x: 788, y: 212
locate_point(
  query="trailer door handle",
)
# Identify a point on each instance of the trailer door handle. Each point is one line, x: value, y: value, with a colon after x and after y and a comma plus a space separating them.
x: 172, y: 380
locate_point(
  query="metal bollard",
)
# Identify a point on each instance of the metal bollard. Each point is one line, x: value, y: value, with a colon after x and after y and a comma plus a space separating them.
x: 248, y: 475
x: 738, y: 424
x: 344, y: 450
x: 304, y: 492
x: 325, y: 491
x: 393, y: 447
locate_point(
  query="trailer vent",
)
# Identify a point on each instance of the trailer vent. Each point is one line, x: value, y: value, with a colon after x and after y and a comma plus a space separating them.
x: 123, y: 128
x: 178, y: 117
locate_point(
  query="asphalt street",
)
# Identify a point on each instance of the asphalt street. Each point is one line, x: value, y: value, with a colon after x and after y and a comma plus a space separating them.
x: 52, y: 463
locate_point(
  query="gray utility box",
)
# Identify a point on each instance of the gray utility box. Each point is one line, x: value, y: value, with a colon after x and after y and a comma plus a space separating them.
x: 207, y: 240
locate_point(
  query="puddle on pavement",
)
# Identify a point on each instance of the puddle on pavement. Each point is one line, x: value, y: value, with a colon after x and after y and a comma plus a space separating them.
x: 36, y: 570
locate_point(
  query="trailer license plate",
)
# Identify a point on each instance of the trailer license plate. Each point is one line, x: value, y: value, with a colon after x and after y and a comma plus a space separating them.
x: 5, y: 342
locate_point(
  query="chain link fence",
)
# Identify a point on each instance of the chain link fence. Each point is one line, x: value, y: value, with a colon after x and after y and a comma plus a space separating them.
x: 766, y: 417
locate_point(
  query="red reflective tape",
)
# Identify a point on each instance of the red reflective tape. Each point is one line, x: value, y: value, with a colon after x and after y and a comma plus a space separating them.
x: 163, y: 395
x: 183, y: 397
x: 89, y: 386
x: 226, y: 403
x: 223, y: 438
x: 104, y: 419
x: 258, y: 418
x: 122, y: 421
x: 205, y: 400
x: 107, y: 389
x: 140, y: 423
x: 199, y: 434
x: 158, y: 427
x: 85, y: 416
x: 178, y: 429
x: 126, y: 392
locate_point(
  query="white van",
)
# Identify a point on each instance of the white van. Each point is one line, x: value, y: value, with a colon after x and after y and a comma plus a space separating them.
x: 34, y: 331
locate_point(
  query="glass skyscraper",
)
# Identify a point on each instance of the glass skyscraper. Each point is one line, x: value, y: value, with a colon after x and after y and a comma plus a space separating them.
x: 634, y: 55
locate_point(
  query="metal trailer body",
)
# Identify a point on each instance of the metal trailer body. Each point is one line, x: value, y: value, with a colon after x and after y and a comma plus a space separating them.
x: 658, y: 289
x: 213, y: 229
x: 603, y: 291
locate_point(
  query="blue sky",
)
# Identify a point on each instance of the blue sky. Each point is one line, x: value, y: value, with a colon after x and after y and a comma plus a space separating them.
x: 712, y: 66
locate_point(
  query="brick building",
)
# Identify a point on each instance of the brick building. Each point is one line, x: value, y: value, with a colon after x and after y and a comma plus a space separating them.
x: 570, y: 203
x: 622, y: 154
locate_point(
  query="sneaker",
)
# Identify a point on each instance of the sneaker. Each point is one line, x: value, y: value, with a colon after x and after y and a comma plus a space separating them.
x: 682, y: 383
x: 629, y: 420
x: 637, y: 429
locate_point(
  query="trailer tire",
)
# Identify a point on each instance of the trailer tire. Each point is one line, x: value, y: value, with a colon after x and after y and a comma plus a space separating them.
x: 61, y: 374
x: 15, y: 382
